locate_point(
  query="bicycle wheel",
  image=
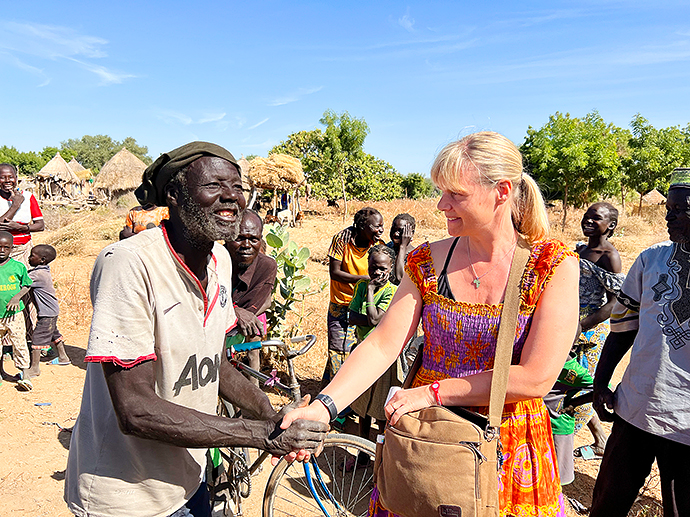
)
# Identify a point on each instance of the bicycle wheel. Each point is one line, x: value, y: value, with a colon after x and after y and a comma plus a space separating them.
x: 341, y: 491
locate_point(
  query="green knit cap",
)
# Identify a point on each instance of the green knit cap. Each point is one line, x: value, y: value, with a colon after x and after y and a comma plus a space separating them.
x: 680, y: 177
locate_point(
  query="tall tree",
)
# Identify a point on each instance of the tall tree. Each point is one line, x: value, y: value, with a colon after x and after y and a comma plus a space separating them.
x: 343, y: 142
x: 576, y: 159
x: 654, y: 153
x: 94, y: 151
x: 336, y: 164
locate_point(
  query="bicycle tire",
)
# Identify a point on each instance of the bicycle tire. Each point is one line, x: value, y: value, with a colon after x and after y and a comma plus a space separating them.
x: 288, y: 493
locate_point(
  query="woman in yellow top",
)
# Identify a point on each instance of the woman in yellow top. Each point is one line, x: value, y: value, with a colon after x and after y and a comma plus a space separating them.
x: 348, y: 263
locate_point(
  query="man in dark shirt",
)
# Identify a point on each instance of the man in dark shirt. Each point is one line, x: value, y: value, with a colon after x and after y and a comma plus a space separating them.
x: 253, y: 276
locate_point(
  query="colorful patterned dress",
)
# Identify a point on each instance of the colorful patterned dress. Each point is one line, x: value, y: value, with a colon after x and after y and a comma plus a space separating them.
x: 460, y: 340
x: 595, y: 283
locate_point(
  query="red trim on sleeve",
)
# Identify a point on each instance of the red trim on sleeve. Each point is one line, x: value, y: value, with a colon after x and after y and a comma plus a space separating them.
x: 34, y: 208
x: 120, y: 362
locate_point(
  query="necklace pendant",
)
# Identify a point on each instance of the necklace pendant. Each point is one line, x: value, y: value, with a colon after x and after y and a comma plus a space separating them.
x: 476, y: 283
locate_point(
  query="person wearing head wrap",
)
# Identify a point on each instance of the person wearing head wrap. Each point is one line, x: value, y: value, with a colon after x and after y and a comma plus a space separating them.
x: 162, y: 306
x: 651, y: 407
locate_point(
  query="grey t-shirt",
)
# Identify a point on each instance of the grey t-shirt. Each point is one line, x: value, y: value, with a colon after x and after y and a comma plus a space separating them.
x: 43, y: 292
x: 147, y: 305
x: 655, y: 301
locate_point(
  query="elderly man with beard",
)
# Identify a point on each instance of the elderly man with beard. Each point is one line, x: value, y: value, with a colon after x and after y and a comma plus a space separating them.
x: 161, y: 309
x: 651, y: 407
x: 253, y: 276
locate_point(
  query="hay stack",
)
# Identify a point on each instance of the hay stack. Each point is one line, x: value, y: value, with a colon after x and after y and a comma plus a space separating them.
x: 121, y: 174
x: 57, y: 169
x: 277, y: 172
x: 247, y: 183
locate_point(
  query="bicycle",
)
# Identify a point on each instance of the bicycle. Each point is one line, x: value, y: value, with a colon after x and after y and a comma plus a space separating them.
x: 323, y: 487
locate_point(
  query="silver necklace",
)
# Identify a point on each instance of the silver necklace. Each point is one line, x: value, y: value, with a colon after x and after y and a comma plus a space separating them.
x: 476, y: 281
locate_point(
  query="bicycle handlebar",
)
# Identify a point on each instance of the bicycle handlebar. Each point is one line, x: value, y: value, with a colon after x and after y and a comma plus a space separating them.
x: 289, y: 352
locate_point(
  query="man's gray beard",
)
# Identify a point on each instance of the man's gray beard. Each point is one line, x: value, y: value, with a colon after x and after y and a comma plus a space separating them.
x: 199, y: 230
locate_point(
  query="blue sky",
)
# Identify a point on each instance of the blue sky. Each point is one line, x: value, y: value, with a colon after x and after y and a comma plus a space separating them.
x: 247, y: 74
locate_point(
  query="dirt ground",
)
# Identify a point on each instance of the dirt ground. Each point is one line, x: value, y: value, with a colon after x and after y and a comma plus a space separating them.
x: 34, y: 426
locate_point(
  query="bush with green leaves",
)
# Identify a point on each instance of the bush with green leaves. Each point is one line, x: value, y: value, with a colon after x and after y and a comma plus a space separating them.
x: 292, y: 285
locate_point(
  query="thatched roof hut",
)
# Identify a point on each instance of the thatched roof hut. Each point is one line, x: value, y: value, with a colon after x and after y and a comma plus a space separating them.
x: 57, y: 169
x: 277, y: 172
x: 120, y: 175
x: 654, y: 197
x: 75, y: 165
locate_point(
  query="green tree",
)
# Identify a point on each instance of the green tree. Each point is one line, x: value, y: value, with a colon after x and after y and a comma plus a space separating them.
x: 140, y: 151
x: 28, y: 163
x: 335, y: 163
x: 417, y: 186
x: 654, y: 153
x: 343, y: 142
x: 94, y: 151
x: 48, y: 153
x: 370, y: 178
x: 576, y: 159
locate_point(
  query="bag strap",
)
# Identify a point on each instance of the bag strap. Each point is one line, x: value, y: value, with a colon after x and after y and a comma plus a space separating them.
x: 506, y: 333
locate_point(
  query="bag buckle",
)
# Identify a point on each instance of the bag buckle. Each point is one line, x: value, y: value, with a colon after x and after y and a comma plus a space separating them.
x: 491, y: 432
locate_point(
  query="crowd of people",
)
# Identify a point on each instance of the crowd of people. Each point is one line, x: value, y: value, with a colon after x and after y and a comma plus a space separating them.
x: 169, y: 300
x: 29, y: 306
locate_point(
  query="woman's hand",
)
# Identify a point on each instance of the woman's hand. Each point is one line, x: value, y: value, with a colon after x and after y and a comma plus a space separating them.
x: 405, y: 401
x: 314, y: 411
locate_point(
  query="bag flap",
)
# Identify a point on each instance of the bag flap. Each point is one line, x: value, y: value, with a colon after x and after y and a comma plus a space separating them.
x: 438, y: 424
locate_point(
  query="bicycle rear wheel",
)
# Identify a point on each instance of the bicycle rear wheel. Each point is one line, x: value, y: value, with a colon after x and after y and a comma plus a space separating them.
x: 341, y: 492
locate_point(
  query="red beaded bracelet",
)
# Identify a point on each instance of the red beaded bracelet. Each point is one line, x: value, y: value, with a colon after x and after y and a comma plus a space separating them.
x: 434, y: 387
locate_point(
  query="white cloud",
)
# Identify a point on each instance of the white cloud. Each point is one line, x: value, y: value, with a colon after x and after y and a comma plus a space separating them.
x: 211, y: 117
x: 407, y: 22
x: 259, y: 123
x: 294, y: 97
x: 55, y: 43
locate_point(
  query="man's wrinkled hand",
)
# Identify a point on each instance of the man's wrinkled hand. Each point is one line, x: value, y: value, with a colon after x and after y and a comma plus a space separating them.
x: 302, y: 438
x: 603, y: 403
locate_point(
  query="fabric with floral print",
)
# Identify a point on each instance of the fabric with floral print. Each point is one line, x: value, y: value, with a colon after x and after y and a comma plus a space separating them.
x: 460, y: 340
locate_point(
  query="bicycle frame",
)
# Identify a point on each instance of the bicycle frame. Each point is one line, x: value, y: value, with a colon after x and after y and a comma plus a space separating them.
x: 294, y: 389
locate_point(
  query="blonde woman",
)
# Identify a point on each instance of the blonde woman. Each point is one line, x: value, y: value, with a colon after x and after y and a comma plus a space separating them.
x: 456, y: 288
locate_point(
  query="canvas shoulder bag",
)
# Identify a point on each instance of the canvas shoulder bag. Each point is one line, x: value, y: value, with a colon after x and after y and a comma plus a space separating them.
x: 446, y: 460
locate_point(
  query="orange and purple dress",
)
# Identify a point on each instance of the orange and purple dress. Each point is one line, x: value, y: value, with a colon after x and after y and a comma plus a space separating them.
x: 460, y: 340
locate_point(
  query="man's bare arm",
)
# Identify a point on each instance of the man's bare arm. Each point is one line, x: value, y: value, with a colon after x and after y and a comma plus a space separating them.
x: 240, y: 391
x: 140, y: 412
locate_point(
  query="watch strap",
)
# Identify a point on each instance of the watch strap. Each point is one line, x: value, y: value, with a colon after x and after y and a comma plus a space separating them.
x: 328, y: 404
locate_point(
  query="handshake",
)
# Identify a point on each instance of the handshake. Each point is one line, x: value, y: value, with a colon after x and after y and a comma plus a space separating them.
x: 297, y: 431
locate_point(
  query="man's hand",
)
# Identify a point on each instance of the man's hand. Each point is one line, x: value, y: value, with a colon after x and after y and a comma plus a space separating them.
x: 604, y: 400
x: 302, y: 438
x: 8, y: 226
x: 247, y: 323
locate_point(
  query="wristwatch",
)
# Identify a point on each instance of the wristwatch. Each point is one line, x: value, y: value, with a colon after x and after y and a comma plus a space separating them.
x: 328, y: 404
